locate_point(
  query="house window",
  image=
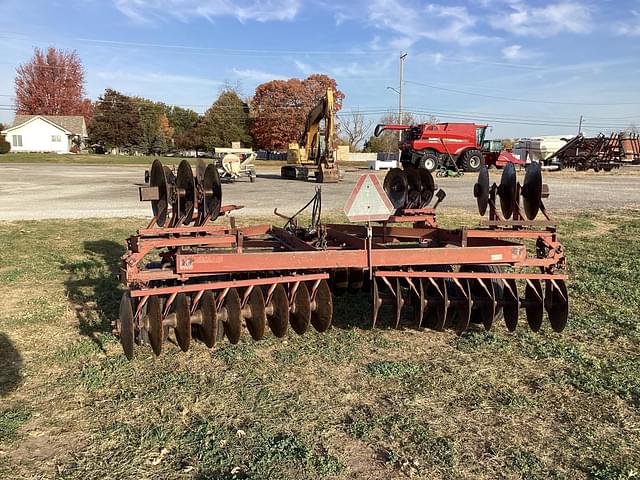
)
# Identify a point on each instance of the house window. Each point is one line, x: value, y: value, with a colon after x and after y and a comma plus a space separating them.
x: 55, y: 138
x: 16, y: 140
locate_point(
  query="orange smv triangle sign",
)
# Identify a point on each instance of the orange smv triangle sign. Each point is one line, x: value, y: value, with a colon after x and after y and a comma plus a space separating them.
x: 368, y: 201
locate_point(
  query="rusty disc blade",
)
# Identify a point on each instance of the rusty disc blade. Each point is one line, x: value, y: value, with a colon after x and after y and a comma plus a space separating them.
x: 437, y: 303
x: 279, y: 318
x: 414, y: 188
x: 212, y: 189
x: 428, y: 187
x: 534, y: 305
x: 418, y: 302
x: 183, y: 321
x: 183, y: 210
x: 322, y: 307
x: 556, y: 303
x: 510, y: 304
x: 300, y: 313
x: 532, y: 190
x: 126, y: 328
x: 156, y: 328
x: 376, y: 302
x: 356, y: 279
x: 507, y: 190
x: 339, y: 281
x: 233, y: 325
x: 257, y: 320
x: 481, y: 190
x: 395, y: 185
x: 160, y: 207
x: 209, y: 327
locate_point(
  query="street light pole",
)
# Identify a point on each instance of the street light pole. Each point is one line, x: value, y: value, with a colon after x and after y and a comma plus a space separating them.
x: 402, y: 57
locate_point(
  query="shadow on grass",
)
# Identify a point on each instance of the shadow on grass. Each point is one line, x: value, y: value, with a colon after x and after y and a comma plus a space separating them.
x: 94, y: 289
x: 10, y: 365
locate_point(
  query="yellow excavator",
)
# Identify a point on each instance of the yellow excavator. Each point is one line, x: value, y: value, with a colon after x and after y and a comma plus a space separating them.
x: 315, y: 151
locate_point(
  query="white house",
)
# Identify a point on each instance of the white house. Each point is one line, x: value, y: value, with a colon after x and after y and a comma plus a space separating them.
x: 46, y: 133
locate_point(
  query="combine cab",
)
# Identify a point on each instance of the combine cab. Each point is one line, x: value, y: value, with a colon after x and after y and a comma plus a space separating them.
x: 496, y: 155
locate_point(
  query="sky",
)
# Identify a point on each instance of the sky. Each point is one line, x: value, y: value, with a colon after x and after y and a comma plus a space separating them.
x: 526, y: 68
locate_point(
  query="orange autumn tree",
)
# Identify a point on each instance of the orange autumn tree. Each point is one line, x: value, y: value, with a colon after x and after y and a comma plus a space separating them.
x: 280, y: 108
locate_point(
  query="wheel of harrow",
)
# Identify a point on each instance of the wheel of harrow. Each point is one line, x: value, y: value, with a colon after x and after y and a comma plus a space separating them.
x: 356, y: 279
x: 126, y: 328
x: 186, y: 198
x: 507, y: 190
x: 208, y: 329
x: 339, y: 281
x: 437, y: 303
x: 414, y: 188
x: 182, y: 327
x: 396, y: 187
x: 160, y: 207
x: 461, y: 303
x: 155, y: 326
x: 532, y: 190
x: 485, y: 293
x: 278, y: 311
x: 255, y: 314
x: 233, y: 323
x: 481, y: 190
x: 212, y: 195
x: 556, y: 302
x: 510, y: 304
x: 321, y: 307
x: 428, y: 187
x: 300, y: 311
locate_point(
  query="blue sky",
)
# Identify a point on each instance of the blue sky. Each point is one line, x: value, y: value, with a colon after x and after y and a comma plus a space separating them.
x: 525, y: 67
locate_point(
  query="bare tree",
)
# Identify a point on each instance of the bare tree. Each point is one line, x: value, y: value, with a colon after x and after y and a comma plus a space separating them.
x: 355, y: 128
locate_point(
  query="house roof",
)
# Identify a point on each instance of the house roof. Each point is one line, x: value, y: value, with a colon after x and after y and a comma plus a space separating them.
x: 71, y: 123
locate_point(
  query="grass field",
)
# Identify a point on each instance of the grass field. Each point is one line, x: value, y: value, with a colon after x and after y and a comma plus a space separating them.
x: 350, y: 403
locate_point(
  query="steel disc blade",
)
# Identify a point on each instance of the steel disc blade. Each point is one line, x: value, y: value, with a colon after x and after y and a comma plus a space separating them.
x: 126, y: 328
x: 395, y: 185
x: 200, y: 168
x: 183, y: 321
x: 186, y: 183
x: 279, y: 317
x: 532, y: 190
x: 418, y: 302
x: 160, y: 207
x: 481, y: 190
x: 462, y: 306
x: 156, y: 328
x: 339, y: 281
x: 510, y: 304
x: 428, y: 187
x: 212, y: 189
x: 534, y: 304
x: 356, y: 279
x: 556, y: 303
x: 414, y: 188
x: 507, y: 190
x: 257, y: 320
x: 487, y: 306
x: 300, y: 313
x: 210, y: 325
x: 233, y: 325
x: 322, y: 307
x: 437, y: 304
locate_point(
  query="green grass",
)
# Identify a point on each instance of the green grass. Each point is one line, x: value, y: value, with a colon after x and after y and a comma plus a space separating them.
x: 350, y: 403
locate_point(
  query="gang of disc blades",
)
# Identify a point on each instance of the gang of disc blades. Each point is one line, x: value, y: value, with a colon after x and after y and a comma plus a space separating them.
x: 428, y: 187
x: 156, y: 328
x: 395, y: 186
x: 507, y: 190
x: 185, y: 183
x: 233, y: 325
x: 257, y: 320
x: 414, y: 188
x: 209, y: 327
x: 300, y: 314
x: 532, y: 190
x: 322, y: 313
x: 183, y: 321
x: 481, y: 190
x: 279, y: 317
x: 212, y: 193
x: 160, y: 207
x: 126, y: 326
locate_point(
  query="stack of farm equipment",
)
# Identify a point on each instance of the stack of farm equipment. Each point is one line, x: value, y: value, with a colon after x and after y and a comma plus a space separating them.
x: 187, y: 277
x: 602, y: 152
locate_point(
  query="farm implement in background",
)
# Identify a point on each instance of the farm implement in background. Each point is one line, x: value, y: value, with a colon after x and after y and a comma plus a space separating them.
x: 188, y: 278
x: 598, y: 153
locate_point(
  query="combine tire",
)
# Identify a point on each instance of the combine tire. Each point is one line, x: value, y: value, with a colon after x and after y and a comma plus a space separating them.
x: 472, y: 160
x: 429, y: 161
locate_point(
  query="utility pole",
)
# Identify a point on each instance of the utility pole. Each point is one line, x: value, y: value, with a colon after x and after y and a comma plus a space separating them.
x: 580, y: 126
x: 400, y: 115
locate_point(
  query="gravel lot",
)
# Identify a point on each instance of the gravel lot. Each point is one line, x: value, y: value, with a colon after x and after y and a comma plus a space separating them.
x: 38, y: 191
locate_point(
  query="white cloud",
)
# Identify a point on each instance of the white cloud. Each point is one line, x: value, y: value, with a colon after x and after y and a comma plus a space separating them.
x: 304, y: 68
x: 513, y: 52
x: 555, y: 18
x: 156, y: 77
x: 242, y: 10
x: 631, y: 28
x: 257, y: 76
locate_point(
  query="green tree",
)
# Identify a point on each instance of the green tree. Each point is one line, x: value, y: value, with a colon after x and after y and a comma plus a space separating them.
x: 152, y: 139
x: 115, y: 122
x: 226, y: 121
x: 181, y: 119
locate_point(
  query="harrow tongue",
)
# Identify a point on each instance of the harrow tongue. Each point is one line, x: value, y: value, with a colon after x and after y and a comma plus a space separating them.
x: 215, y: 280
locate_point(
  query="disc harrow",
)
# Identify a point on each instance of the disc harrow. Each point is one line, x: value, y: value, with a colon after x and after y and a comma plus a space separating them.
x: 217, y: 281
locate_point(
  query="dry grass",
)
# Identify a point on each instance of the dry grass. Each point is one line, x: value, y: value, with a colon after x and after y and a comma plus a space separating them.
x: 350, y: 403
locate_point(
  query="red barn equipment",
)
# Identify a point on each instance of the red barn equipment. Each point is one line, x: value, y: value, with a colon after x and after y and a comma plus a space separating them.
x: 189, y: 278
